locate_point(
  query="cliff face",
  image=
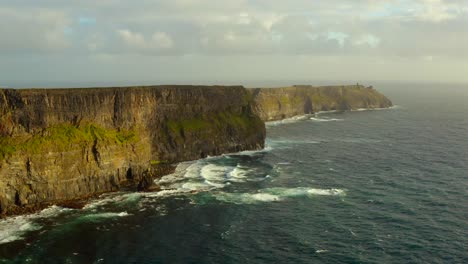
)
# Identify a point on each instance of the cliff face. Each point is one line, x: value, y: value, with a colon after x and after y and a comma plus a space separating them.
x: 63, y: 144
x: 280, y: 103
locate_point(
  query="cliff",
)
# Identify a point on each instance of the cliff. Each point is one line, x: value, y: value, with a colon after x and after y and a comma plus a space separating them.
x: 58, y: 145
x: 280, y: 103
x: 62, y: 144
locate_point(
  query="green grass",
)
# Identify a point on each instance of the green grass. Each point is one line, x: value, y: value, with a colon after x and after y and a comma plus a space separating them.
x: 188, y: 125
x: 217, y: 121
x: 159, y: 162
x: 321, y: 99
x: 62, y: 137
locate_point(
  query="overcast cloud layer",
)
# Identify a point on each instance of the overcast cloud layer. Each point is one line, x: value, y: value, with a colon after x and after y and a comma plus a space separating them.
x: 233, y: 40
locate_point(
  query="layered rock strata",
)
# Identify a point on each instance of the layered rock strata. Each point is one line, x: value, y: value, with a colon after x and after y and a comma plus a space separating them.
x: 57, y: 145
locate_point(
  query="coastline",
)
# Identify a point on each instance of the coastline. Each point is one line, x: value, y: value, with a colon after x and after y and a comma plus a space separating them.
x: 240, y: 128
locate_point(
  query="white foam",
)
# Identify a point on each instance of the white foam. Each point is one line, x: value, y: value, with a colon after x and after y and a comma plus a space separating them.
x: 251, y: 152
x: 14, y: 228
x: 308, y: 116
x: 113, y: 198
x: 165, y: 193
x: 265, y: 197
x: 336, y: 192
x: 51, y: 211
x: 238, y: 174
x: 212, y: 172
x: 99, y: 216
x: 287, y: 192
x: 246, y: 198
x: 214, y: 184
x: 106, y: 215
x: 123, y: 214
x: 98, y: 203
x: 192, y: 177
x: 197, y: 186
x: 193, y: 171
x: 326, y: 112
x: 376, y: 109
x: 275, y: 194
x: 203, y: 177
x: 287, y: 120
x: 325, y: 119
x: 168, y: 179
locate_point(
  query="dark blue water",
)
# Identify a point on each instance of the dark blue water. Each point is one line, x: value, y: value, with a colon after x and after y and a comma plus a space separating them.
x: 387, y: 186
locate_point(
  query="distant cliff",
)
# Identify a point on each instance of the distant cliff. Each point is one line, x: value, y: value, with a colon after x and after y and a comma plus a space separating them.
x: 280, y: 103
x: 63, y: 144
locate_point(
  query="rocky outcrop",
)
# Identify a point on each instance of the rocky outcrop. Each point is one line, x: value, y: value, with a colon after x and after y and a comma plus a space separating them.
x: 58, y: 145
x: 280, y: 103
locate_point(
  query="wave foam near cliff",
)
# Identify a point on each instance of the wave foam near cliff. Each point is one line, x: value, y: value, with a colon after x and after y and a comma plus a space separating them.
x: 15, y: 228
x: 325, y: 119
x: 376, y: 109
x: 287, y: 120
x: 209, y: 174
x: 288, y: 143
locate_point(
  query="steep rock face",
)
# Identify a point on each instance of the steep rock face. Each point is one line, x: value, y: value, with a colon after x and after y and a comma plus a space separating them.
x: 64, y: 144
x: 280, y: 103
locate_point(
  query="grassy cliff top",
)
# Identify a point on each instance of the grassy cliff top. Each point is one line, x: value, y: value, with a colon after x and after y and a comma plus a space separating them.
x: 111, y: 88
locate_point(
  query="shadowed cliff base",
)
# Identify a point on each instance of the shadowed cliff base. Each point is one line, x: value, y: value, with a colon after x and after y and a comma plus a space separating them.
x: 61, y: 146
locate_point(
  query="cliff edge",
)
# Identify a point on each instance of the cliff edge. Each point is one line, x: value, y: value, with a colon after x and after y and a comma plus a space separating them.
x: 279, y: 103
x: 58, y: 145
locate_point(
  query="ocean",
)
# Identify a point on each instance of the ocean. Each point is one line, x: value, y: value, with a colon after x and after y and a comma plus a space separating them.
x: 382, y: 186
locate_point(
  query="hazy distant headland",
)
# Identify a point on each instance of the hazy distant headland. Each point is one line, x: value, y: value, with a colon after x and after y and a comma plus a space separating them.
x: 61, y: 145
x: 285, y: 102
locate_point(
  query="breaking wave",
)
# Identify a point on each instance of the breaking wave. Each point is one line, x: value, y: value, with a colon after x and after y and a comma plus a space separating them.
x: 317, y: 119
x: 102, y: 216
x: 275, y: 195
x: 15, y: 228
x: 376, y: 109
x: 287, y: 120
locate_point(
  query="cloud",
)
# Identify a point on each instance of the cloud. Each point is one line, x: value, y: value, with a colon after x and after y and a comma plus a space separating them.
x: 156, y: 42
x: 183, y: 27
x: 367, y: 39
x: 340, y: 37
x: 437, y: 10
x: 33, y: 30
x: 379, y: 30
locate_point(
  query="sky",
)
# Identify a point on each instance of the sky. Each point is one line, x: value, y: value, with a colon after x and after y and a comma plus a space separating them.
x: 233, y: 41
